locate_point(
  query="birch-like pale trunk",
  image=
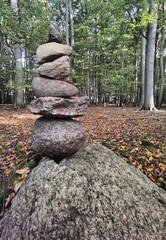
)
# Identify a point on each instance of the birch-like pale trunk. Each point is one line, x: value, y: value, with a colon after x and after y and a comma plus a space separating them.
x: 162, y: 68
x: 19, y: 93
x: 142, y: 70
x: 150, y: 57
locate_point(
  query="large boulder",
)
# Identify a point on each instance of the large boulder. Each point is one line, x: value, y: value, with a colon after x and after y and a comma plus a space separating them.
x: 59, y: 107
x: 57, y: 138
x: 50, y: 51
x: 57, y: 69
x: 93, y: 195
x: 44, y: 87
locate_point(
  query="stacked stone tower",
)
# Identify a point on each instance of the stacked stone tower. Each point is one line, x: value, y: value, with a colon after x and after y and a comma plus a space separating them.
x: 56, y: 134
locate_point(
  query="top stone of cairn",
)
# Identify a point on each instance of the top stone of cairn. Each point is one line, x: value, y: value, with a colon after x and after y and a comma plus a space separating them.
x: 54, y: 35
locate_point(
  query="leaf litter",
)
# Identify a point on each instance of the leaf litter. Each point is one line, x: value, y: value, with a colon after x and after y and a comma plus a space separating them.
x: 138, y: 137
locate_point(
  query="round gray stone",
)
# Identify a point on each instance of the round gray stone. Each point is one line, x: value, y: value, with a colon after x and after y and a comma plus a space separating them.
x: 57, y: 138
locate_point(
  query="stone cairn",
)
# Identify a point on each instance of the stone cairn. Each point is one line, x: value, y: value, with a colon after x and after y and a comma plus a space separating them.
x: 56, y: 134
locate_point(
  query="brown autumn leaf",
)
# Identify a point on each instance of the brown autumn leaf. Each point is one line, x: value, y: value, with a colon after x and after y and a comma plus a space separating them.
x: 156, y: 154
x: 162, y: 166
x: 17, y: 184
x: 152, y: 178
x: 9, y: 199
x: 23, y: 171
x: 7, y: 171
x: 11, y: 164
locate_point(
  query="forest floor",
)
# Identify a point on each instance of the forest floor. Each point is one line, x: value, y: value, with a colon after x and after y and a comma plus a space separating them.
x: 137, y: 136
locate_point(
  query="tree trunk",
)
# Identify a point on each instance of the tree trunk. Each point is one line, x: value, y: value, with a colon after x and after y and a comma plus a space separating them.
x: 71, y: 24
x: 150, y: 56
x: 67, y: 21
x: 161, y: 87
x: 19, y: 92
x: 142, y: 72
x: 71, y: 40
x: 19, y: 97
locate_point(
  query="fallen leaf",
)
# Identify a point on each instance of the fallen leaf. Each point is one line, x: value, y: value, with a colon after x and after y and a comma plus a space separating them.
x: 162, y: 166
x: 156, y: 154
x: 17, y: 184
x: 23, y: 171
x: 161, y: 179
x: 140, y: 167
x: 148, y: 155
x: 7, y: 171
x: 9, y: 199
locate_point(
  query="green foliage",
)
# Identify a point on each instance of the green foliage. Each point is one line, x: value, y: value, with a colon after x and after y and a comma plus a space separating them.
x: 107, y: 41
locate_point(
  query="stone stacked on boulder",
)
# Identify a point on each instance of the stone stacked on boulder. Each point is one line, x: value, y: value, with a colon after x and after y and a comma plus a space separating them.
x: 56, y: 134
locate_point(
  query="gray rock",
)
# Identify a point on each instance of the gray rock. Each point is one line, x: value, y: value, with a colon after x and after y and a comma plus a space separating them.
x: 58, y: 69
x: 57, y: 138
x: 92, y: 195
x: 50, y: 51
x: 54, y: 35
x: 44, y: 87
x: 59, y: 107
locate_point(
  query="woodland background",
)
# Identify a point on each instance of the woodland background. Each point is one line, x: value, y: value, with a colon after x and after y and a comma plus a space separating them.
x: 119, y: 50
x: 111, y: 42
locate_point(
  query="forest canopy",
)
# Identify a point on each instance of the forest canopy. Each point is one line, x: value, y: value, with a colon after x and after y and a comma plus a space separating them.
x: 113, y: 48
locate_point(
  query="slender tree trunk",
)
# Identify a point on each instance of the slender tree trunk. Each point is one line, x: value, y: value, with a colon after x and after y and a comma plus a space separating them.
x: 19, y: 93
x: 161, y: 86
x: 19, y: 98
x: 67, y: 21
x: 150, y: 57
x: 142, y: 68
x: 71, y: 40
x: 71, y: 23
x: 136, y: 80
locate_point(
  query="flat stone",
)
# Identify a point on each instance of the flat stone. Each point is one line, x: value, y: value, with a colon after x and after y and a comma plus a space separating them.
x: 58, y: 69
x: 59, y: 107
x: 50, y: 51
x: 57, y: 138
x: 54, y: 35
x: 44, y: 87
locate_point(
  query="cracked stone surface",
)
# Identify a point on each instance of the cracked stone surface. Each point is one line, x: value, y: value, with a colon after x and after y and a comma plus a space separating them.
x: 59, y: 107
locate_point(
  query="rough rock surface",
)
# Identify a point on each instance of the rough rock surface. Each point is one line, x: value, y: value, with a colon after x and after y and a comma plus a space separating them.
x: 92, y: 195
x: 44, y: 87
x: 50, y: 51
x: 59, y: 107
x: 58, y: 69
x: 57, y: 138
x: 54, y: 35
